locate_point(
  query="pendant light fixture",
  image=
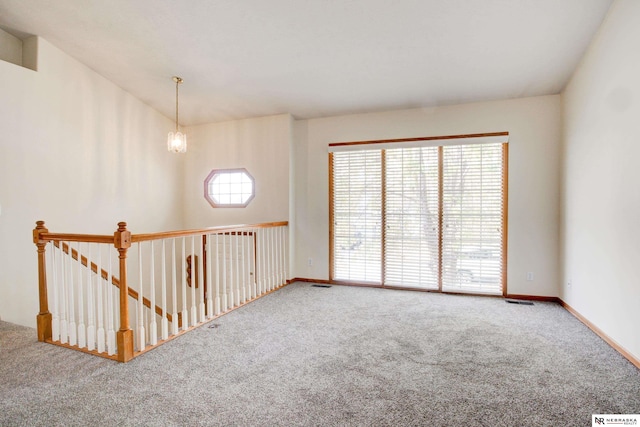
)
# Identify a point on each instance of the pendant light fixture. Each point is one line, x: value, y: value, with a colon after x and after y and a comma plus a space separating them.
x: 177, y: 141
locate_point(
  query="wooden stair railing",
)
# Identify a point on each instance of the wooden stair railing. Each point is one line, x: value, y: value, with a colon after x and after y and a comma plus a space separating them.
x: 114, y: 280
x: 260, y: 268
x: 121, y: 240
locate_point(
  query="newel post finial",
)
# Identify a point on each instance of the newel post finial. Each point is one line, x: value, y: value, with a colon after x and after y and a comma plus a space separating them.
x: 122, y: 237
x: 40, y: 228
x: 124, y: 336
x: 43, y: 320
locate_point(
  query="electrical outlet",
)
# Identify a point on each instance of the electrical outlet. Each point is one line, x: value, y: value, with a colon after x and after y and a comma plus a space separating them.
x: 530, y: 276
x: 310, y: 262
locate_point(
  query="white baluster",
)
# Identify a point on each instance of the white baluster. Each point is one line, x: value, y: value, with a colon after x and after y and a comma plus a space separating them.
x: 185, y: 312
x: 174, y: 290
x: 194, y: 314
x: 165, y: 321
x: 232, y: 283
x: 265, y: 254
x: 261, y: 267
x: 231, y: 293
x: 285, y: 257
x: 73, y: 332
x: 269, y: 251
x: 100, y: 333
x: 141, y: 331
x: 285, y: 254
x: 275, y: 247
x: 153, y: 326
x: 246, y: 255
x: 258, y: 272
x: 253, y: 250
x: 224, y: 273
x: 283, y: 245
x: 276, y: 256
x: 111, y: 333
x: 218, y: 305
x: 263, y: 263
x: 243, y: 268
x: 64, y: 300
x: 201, y: 261
x: 265, y: 258
x: 82, y: 329
x: 236, y: 261
x: 91, y: 327
x: 209, y: 274
x: 116, y: 306
x: 55, y: 316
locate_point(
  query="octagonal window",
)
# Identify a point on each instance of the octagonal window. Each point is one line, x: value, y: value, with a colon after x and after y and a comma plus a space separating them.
x: 229, y: 188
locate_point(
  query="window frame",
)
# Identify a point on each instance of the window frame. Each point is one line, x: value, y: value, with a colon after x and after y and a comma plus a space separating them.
x: 437, y: 141
x: 215, y: 172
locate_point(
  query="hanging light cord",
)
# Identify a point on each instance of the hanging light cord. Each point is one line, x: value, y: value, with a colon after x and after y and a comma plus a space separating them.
x: 178, y: 80
x: 177, y: 83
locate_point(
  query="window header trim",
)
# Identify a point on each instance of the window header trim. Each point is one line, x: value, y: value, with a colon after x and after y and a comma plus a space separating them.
x: 429, y: 141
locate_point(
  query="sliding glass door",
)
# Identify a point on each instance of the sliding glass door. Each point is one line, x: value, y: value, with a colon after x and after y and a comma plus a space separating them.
x: 429, y: 217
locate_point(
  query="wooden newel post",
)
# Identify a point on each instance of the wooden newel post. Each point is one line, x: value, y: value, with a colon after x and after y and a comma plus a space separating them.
x: 44, y: 317
x: 124, y: 336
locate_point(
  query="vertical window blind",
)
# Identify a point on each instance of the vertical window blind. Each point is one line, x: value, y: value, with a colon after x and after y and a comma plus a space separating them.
x: 422, y: 213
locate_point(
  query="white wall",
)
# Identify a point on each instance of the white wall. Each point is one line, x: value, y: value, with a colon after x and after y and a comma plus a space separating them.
x: 534, y: 125
x: 601, y: 185
x: 260, y: 145
x: 81, y: 154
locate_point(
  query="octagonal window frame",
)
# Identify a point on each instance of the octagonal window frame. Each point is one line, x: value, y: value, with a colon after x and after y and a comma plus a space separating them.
x: 217, y: 204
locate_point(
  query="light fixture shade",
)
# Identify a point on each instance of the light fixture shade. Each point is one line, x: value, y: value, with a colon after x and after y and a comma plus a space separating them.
x: 177, y: 142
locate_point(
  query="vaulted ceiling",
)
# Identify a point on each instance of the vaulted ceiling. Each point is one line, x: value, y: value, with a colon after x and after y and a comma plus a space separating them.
x: 315, y: 58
